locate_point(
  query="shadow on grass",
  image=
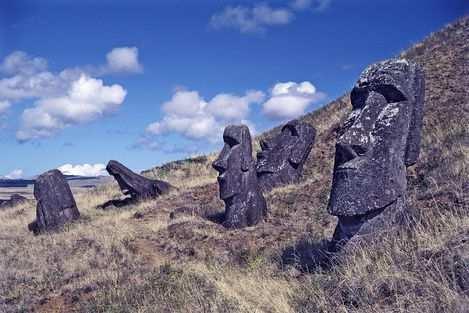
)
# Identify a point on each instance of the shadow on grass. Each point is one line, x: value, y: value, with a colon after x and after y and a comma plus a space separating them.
x: 308, y: 256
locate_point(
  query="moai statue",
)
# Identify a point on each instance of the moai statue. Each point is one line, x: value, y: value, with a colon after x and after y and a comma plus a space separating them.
x: 282, y: 158
x: 55, y: 203
x: 239, y: 189
x: 380, y: 138
x: 136, y: 186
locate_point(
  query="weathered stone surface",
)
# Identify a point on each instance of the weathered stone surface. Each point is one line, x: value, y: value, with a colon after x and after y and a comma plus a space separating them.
x: 239, y: 189
x: 55, y: 203
x: 282, y: 158
x: 116, y: 203
x: 14, y: 200
x: 380, y: 138
x: 136, y: 186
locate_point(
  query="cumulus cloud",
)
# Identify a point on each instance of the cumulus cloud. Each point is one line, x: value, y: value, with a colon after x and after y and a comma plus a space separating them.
x: 257, y: 18
x: 301, y: 4
x: 19, y: 62
x: 69, y: 97
x: 123, y: 60
x: 87, y: 99
x: 25, y: 85
x: 4, y: 105
x: 15, y: 174
x: 289, y: 100
x: 317, y: 5
x: 84, y: 169
x: 191, y: 116
x: 251, y: 19
x: 188, y: 114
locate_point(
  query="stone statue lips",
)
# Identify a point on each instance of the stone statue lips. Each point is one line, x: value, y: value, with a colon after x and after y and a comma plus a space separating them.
x: 222, y: 179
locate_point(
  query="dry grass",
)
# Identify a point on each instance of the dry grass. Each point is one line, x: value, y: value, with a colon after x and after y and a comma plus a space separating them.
x: 96, y: 265
x: 187, y: 173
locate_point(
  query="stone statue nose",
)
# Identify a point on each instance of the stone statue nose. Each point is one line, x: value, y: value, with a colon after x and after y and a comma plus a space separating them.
x: 348, y: 152
x: 219, y: 165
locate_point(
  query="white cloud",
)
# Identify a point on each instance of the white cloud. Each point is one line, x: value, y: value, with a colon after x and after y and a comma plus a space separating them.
x: 62, y: 99
x: 290, y: 100
x: 84, y: 169
x: 257, y: 18
x: 317, y: 5
x: 189, y: 115
x: 4, y: 105
x: 33, y: 85
x: 15, y: 174
x: 301, y: 4
x: 87, y: 99
x: 234, y: 108
x: 251, y: 19
x: 123, y: 60
x: 19, y: 62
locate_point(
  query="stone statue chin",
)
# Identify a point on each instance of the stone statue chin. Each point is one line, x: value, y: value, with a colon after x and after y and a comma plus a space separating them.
x: 239, y: 189
x: 282, y: 158
x: 380, y: 138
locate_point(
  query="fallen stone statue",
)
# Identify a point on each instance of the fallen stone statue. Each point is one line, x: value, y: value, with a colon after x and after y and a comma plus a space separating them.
x: 239, y: 189
x: 282, y: 158
x: 380, y: 138
x: 55, y: 203
x: 135, y: 186
x: 14, y: 200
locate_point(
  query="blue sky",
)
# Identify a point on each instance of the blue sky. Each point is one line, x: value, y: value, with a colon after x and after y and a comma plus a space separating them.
x: 146, y: 82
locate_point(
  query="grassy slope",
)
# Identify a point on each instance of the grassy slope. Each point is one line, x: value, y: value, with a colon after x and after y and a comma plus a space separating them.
x: 170, y: 258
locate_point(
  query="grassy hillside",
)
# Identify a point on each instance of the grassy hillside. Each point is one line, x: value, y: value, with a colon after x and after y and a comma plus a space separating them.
x: 168, y: 255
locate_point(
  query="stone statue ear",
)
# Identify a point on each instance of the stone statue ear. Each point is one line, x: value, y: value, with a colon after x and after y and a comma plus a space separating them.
x: 303, y: 146
x: 296, y: 155
x: 246, y: 150
x: 416, y: 119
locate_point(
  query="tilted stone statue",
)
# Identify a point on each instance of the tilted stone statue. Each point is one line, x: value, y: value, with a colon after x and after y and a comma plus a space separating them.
x: 239, y: 189
x: 55, y: 203
x: 282, y: 158
x: 136, y: 186
x: 380, y: 138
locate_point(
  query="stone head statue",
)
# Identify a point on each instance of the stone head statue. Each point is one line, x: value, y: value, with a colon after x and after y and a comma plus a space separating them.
x: 55, y: 202
x: 137, y: 186
x: 245, y: 205
x: 282, y: 157
x: 380, y: 138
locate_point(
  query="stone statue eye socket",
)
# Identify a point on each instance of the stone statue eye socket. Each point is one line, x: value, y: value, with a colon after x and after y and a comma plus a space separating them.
x: 359, y: 150
x: 391, y: 93
x: 231, y: 141
x: 292, y: 130
x: 358, y: 97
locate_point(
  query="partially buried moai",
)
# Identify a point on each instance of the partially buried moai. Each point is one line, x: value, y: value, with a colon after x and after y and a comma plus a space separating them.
x: 282, y: 158
x: 239, y: 188
x: 55, y: 203
x: 380, y: 138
